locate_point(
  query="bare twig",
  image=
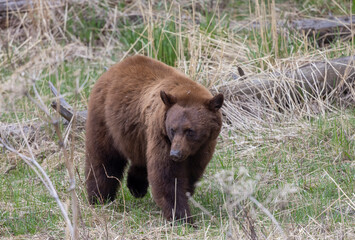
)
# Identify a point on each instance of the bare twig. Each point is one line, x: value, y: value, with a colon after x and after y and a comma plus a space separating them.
x: 196, y: 204
x: 268, y: 213
x: 68, y: 162
x: 351, y: 203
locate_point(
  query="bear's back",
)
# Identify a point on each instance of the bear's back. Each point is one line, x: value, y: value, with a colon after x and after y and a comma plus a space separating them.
x: 138, y: 75
x: 138, y: 72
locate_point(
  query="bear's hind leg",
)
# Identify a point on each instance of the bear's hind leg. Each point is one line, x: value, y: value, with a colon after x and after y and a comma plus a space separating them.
x: 137, y: 181
x: 104, y: 171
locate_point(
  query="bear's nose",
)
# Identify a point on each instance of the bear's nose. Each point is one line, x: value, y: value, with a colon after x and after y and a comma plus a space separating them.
x: 175, y: 154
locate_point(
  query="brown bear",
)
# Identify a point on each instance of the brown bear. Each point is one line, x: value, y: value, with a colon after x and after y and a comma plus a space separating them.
x: 165, y: 124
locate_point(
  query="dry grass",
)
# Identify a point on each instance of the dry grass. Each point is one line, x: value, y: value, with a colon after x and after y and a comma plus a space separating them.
x: 281, y: 168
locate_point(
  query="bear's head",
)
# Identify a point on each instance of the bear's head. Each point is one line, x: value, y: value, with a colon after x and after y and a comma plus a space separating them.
x: 190, y: 126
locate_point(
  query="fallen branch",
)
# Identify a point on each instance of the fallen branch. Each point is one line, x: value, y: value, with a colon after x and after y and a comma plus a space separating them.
x: 64, y: 109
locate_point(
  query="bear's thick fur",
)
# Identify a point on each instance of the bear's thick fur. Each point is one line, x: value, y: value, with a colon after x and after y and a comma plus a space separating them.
x: 164, y: 123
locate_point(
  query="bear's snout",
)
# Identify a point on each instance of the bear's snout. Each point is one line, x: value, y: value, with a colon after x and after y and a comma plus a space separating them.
x: 175, y: 155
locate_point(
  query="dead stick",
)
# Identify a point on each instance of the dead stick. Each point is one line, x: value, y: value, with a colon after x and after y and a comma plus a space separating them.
x: 68, y: 163
x: 64, y: 108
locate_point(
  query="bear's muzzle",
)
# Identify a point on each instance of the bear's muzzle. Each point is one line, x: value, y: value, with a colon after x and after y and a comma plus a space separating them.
x: 176, y: 155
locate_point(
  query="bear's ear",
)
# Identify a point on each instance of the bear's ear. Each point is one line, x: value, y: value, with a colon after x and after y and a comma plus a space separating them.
x: 216, y: 102
x: 168, y: 100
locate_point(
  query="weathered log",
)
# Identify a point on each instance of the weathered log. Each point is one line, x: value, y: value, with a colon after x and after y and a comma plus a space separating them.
x: 322, y: 25
x: 323, y: 77
x: 318, y: 78
x: 324, y: 30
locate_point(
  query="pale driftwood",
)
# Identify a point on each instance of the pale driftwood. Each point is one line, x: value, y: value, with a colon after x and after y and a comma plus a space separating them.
x: 316, y: 78
x: 64, y: 109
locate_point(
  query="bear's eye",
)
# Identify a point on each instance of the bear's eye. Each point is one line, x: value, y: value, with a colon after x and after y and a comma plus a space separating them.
x: 190, y: 133
x: 172, y: 132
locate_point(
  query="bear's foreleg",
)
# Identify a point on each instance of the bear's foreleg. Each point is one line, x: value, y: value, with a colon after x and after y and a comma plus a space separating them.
x: 197, y: 164
x: 169, y: 183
